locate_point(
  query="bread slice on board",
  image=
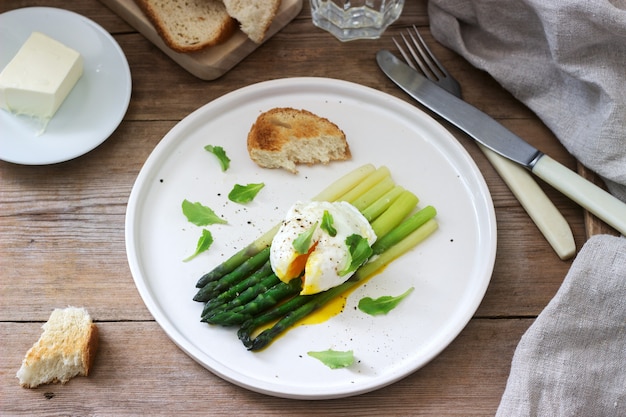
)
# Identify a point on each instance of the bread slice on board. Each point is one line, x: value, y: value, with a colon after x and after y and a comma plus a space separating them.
x: 189, y: 25
x: 284, y: 137
x: 66, y: 348
x: 254, y: 16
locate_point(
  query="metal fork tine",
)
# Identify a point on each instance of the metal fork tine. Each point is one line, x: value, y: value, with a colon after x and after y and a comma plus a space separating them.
x: 416, y: 56
x: 403, y: 53
x: 434, y: 64
x: 419, y: 53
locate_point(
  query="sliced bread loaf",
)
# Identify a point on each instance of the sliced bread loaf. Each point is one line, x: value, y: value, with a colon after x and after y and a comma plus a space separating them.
x: 284, y: 137
x: 65, y: 349
x: 254, y: 16
x: 189, y: 25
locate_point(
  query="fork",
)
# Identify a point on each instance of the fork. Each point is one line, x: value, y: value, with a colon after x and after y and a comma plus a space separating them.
x: 541, y: 210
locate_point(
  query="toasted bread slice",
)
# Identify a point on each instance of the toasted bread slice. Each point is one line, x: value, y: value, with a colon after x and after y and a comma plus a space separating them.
x: 189, y: 25
x: 65, y: 349
x: 284, y: 137
x: 254, y: 16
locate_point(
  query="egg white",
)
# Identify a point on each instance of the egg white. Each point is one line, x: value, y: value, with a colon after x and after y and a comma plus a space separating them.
x: 328, y: 255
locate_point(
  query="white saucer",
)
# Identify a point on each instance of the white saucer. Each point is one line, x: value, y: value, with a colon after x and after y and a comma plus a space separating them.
x: 92, y: 110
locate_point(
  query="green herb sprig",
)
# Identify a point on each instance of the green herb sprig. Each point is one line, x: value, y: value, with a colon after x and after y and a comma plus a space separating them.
x: 220, y: 153
x: 334, y: 359
x: 382, y: 305
x: 243, y: 194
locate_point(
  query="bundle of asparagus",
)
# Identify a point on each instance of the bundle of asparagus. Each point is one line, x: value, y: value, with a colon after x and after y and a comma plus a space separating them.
x: 243, y: 291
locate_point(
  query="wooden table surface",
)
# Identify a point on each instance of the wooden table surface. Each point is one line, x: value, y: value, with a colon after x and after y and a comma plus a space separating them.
x: 63, y: 244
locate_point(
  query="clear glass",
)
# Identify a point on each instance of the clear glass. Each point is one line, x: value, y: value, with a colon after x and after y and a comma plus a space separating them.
x: 355, y: 19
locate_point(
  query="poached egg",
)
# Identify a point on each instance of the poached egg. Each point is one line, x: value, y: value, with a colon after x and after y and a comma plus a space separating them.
x: 326, y: 255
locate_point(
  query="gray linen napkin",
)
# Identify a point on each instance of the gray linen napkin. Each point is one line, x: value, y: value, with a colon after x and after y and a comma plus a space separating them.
x: 565, y: 59
x: 572, y: 359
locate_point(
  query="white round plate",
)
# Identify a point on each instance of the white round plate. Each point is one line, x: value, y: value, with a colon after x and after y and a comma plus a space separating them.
x: 95, y: 106
x: 450, y: 270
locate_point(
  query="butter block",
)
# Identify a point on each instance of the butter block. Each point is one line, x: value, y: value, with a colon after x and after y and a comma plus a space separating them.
x: 39, y: 78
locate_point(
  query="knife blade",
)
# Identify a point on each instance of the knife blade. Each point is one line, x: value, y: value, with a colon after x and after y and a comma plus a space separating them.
x: 485, y: 130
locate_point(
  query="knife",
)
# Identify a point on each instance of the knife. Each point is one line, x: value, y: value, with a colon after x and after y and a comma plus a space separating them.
x: 482, y: 128
x: 534, y: 200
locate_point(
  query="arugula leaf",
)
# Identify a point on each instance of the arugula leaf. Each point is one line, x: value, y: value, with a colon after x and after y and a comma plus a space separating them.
x: 360, y: 251
x: 334, y: 359
x: 244, y: 193
x: 327, y: 224
x: 200, y: 215
x: 382, y: 305
x: 203, y: 245
x: 302, y: 243
x: 221, y: 155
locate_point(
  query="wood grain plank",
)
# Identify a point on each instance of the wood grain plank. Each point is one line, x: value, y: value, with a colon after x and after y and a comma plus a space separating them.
x: 138, y: 370
x: 63, y: 230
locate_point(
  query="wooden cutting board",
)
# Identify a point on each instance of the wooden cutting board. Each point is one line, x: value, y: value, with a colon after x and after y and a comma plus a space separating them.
x: 212, y: 62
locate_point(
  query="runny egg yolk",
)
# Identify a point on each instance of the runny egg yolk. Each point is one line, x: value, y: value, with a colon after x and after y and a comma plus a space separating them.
x: 327, y: 254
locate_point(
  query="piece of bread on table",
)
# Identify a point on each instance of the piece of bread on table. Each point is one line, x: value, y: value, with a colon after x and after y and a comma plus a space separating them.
x: 284, y: 137
x: 65, y: 349
x: 254, y: 16
x: 189, y: 25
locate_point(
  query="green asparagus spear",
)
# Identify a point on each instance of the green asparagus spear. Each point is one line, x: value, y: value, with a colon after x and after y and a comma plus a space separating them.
x: 395, y: 214
x: 236, y: 260
x: 379, y: 206
x: 213, y: 288
x: 404, y: 229
x: 248, y: 327
x: 262, y: 302
x: 395, y: 251
x: 304, y: 305
x: 373, y: 194
x: 243, y: 291
x: 246, y: 296
x: 366, y: 184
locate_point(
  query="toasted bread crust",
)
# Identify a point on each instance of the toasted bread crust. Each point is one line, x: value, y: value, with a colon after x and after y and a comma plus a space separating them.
x: 283, y: 137
x: 191, y: 25
x: 89, y: 354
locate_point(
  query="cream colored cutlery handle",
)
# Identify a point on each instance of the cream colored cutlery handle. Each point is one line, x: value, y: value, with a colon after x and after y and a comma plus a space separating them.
x: 599, y: 202
x: 541, y: 210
